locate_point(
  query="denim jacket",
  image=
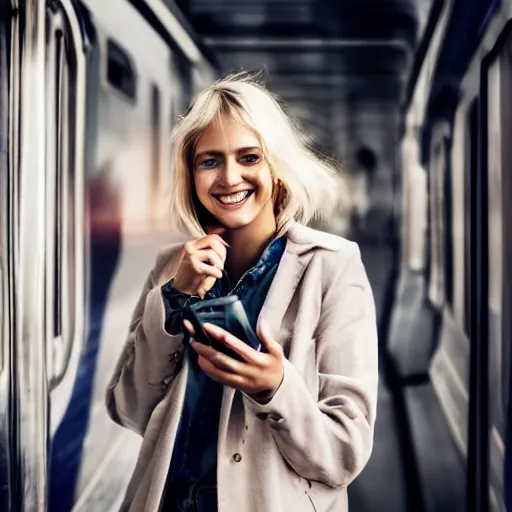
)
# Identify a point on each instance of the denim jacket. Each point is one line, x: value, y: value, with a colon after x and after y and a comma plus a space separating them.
x: 195, y: 449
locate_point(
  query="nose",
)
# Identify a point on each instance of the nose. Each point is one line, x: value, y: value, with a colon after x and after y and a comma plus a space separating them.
x: 231, y: 175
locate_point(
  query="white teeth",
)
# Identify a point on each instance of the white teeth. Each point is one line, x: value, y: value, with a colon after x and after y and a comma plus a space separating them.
x: 234, y: 198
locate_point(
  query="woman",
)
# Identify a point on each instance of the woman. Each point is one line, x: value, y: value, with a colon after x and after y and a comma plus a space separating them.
x: 290, y: 426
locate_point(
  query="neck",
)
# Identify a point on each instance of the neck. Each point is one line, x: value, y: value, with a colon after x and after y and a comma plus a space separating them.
x: 247, y: 245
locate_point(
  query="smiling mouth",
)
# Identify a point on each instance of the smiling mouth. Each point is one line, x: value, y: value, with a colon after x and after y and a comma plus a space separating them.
x: 233, y: 199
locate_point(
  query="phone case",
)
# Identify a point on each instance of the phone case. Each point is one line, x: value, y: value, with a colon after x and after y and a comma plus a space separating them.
x: 226, y: 312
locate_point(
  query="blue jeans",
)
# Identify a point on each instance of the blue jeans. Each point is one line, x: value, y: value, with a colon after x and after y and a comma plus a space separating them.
x: 200, y: 496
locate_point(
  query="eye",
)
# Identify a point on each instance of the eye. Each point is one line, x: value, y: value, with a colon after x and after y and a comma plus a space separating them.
x: 210, y: 163
x: 251, y: 159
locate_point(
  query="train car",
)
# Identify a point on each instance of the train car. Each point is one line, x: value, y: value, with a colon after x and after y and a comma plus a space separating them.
x: 89, y: 93
x: 450, y: 335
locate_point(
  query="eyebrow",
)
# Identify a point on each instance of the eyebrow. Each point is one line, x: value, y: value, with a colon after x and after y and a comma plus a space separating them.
x: 216, y: 152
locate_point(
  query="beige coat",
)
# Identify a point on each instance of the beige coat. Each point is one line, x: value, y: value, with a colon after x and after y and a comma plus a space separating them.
x: 299, y: 451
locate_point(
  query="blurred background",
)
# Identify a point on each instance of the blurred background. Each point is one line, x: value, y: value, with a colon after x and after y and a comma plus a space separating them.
x: 411, y: 97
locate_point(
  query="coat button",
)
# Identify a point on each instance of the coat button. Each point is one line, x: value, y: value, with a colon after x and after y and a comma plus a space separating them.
x: 262, y: 415
x: 175, y: 357
x: 237, y: 457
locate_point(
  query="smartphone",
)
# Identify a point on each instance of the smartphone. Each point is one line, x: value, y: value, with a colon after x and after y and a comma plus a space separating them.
x: 226, y: 312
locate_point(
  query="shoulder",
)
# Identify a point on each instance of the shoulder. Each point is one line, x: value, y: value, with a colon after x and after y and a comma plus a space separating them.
x: 330, y: 247
x: 335, y: 259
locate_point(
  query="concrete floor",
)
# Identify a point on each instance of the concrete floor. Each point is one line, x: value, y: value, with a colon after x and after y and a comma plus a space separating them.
x: 381, y: 487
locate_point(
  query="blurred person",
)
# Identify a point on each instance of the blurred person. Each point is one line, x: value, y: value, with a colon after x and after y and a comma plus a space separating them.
x: 284, y: 428
x: 361, y: 182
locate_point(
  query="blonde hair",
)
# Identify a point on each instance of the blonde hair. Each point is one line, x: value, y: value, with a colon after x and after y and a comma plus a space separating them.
x: 312, y: 184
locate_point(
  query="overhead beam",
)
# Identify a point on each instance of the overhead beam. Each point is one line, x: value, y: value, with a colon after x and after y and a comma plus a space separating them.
x: 301, y: 44
x: 337, y: 80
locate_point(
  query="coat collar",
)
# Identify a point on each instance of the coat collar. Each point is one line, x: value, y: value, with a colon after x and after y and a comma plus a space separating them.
x: 302, y: 239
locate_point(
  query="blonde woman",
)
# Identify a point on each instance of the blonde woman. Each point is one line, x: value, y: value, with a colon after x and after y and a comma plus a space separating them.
x: 286, y: 428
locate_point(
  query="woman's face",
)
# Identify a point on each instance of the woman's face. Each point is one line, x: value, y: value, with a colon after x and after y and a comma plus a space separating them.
x: 231, y: 175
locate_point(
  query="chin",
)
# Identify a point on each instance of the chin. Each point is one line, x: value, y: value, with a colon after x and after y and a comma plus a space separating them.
x: 236, y: 223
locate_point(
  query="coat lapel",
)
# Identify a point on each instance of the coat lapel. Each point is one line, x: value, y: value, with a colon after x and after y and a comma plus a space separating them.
x: 283, y: 287
x: 300, y: 243
x: 290, y: 270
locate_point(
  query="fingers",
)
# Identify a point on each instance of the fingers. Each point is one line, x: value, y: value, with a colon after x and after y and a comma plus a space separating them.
x: 220, y: 360
x: 201, y: 263
x: 211, y: 257
x: 217, y: 230
x: 203, y: 269
x: 211, y: 249
x: 214, y: 242
x: 223, y: 376
x: 226, y: 338
x: 205, y: 286
x: 190, y: 328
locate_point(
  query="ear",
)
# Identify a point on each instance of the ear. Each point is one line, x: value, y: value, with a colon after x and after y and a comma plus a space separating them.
x: 279, y: 195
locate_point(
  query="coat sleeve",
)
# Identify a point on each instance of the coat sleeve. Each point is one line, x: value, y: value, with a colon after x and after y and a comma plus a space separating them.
x: 330, y: 441
x: 150, y: 360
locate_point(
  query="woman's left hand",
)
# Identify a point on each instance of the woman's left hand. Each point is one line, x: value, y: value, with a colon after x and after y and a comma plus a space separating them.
x: 259, y: 374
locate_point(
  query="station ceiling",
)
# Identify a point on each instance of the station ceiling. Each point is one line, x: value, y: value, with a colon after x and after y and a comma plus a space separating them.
x: 330, y: 49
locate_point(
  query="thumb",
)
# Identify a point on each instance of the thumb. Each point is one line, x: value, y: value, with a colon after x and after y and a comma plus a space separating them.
x: 217, y: 230
x: 214, y: 230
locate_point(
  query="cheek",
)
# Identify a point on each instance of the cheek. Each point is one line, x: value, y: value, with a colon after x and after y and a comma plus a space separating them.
x: 202, y: 186
x: 266, y: 185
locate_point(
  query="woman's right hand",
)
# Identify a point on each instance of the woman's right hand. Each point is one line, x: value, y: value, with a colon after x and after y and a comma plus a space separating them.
x: 201, y: 263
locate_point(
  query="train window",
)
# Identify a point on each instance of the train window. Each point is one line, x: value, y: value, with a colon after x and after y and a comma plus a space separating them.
x: 63, y: 163
x: 155, y: 142
x: 495, y: 224
x: 437, y: 215
x: 120, y: 72
x: 59, y: 239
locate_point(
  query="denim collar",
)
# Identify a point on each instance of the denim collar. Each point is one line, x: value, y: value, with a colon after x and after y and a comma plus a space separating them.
x: 270, y: 256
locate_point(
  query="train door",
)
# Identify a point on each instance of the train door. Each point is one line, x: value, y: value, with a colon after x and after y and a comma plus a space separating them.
x: 65, y: 276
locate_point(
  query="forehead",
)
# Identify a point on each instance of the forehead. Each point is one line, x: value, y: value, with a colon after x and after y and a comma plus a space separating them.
x: 226, y: 134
